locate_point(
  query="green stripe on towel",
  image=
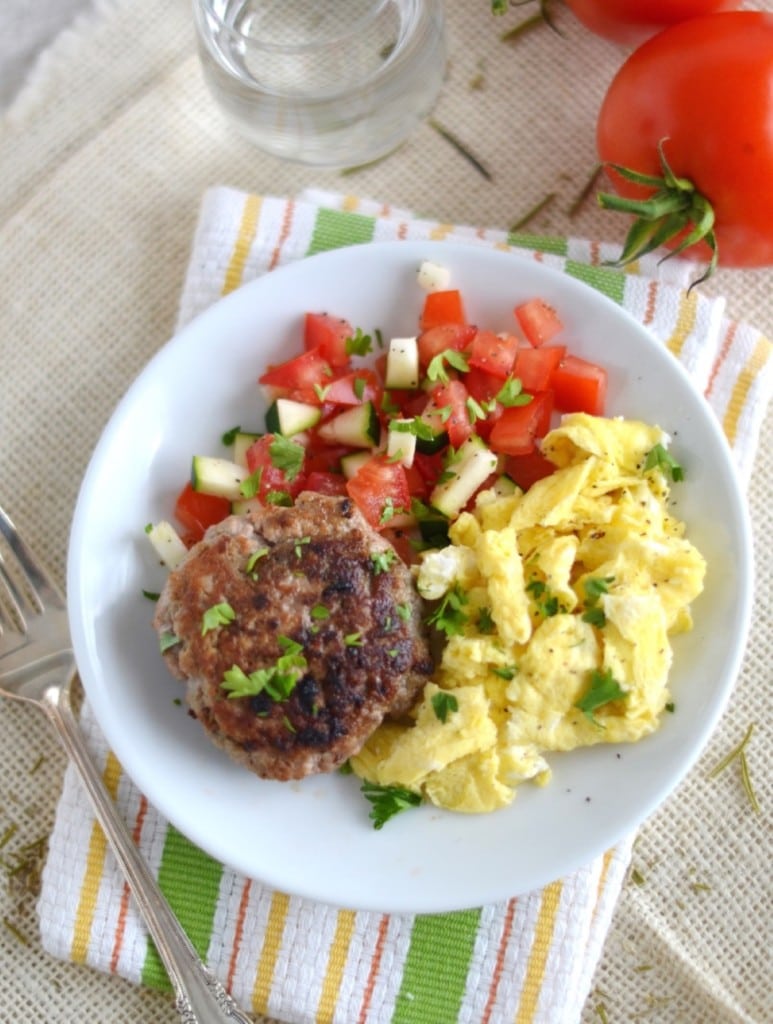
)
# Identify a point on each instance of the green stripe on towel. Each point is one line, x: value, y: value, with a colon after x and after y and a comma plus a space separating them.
x: 436, y: 968
x: 334, y: 228
x: 190, y: 880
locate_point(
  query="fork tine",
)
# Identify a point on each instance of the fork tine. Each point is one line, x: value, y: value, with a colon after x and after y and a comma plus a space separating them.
x: 11, y: 602
x: 43, y: 587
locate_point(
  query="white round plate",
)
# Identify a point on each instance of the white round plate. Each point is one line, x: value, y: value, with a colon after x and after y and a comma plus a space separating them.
x: 314, y: 838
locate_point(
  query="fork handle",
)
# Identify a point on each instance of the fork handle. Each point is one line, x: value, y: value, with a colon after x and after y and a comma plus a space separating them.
x: 201, y: 999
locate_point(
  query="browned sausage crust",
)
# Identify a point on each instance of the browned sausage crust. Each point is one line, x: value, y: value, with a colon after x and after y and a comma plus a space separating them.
x: 315, y: 577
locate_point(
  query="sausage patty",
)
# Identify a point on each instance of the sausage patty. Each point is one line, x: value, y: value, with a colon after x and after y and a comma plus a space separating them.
x: 319, y: 620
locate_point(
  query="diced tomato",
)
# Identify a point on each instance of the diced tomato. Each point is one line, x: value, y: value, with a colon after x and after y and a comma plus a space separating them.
x: 429, y: 468
x: 301, y: 378
x: 444, y: 307
x: 323, y: 457
x: 528, y: 469
x: 272, y: 478
x: 482, y: 386
x: 325, y: 483
x: 196, y: 512
x: 493, y: 353
x: 328, y: 334
x: 538, y: 320
x: 515, y: 431
x: 417, y: 485
x: 353, y: 388
x: 534, y: 366
x: 400, y: 540
x: 451, y: 398
x: 442, y: 337
x: 579, y: 386
x: 380, y: 490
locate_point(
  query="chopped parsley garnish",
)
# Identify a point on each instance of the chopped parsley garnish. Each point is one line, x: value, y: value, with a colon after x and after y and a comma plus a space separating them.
x: 359, y: 344
x: 151, y: 595
x: 505, y: 671
x: 594, y: 587
x: 382, y: 561
x: 278, y: 680
x: 319, y: 612
x: 547, y: 603
x: 443, y: 703
x: 659, y: 458
x: 512, y: 393
x: 250, y: 486
x: 404, y: 611
x: 416, y: 426
x: 279, y: 498
x: 448, y: 617
x: 436, y: 371
x: 221, y: 614
x: 253, y: 560
x: 475, y: 410
x: 299, y: 545
x: 353, y: 640
x: 167, y: 640
x: 389, y: 511
x: 595, y: 616
x: 604, y: 689
x: 358, y: 387
x: 485, y: 621
x: 286, y: 455
x: 387, y: 801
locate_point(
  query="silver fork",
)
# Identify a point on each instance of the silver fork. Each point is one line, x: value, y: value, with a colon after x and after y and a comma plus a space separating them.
x: 37, y: 665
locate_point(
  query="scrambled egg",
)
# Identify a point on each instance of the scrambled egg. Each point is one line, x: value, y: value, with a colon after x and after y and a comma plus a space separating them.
x: 558, y: 605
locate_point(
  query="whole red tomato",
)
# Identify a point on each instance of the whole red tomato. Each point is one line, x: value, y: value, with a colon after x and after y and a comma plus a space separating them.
x: 632, y: 21
x: 703, y: 89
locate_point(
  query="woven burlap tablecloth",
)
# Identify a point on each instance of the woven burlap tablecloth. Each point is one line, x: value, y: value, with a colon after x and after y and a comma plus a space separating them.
x: 104, y: 158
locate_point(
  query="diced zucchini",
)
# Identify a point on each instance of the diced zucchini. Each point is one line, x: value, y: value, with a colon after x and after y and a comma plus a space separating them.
x: 504, y: 486
x: 286, y: 416
x: 402, y: 364
x: 213, y: 475
x: 243, y: 439
x: 472, y: 467
x: 167, y: 543
x: 245, y: 505
x: 401, y: 444
x: 357, y: 427
x: 351, y: 463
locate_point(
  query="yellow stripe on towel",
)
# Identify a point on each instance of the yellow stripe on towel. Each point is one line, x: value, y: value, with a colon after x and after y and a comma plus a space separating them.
x: 538, y: 956
x: 272, y: 943
x: 244, y: 240
x: 685, y: 323
x: 751, y: 370
x: 95, y: 862
x: 336, y: 964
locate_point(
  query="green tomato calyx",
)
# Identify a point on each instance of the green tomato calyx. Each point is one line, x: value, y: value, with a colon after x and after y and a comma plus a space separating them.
x: 674, y: 208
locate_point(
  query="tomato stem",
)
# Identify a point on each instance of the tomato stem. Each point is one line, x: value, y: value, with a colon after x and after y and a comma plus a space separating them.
x: 675, y: 213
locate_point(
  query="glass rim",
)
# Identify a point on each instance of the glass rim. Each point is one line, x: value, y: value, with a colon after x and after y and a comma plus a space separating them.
x: 352, y: 28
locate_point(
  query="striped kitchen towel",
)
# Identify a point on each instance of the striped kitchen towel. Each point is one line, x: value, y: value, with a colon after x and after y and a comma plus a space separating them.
x: 529, y: 959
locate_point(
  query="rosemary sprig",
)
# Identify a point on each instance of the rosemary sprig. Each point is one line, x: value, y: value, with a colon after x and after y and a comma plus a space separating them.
x: 532, y: 213
x: 460, y: 147
x: 739, y: 753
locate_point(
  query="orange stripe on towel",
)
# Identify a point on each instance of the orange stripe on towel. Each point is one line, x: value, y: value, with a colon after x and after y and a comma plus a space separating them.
x: 126, y: 892
x: 507, y: 928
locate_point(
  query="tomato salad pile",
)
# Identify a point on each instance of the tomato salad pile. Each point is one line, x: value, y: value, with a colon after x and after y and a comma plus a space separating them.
x: 410, y: 434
